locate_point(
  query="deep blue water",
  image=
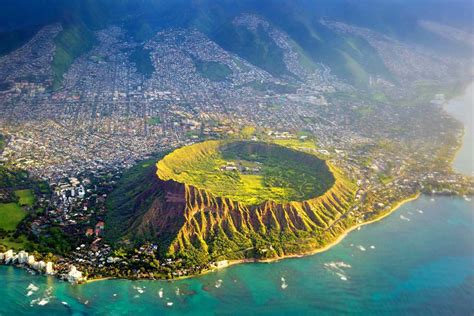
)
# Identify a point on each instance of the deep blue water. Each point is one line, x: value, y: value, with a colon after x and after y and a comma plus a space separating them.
x: 418, y: 261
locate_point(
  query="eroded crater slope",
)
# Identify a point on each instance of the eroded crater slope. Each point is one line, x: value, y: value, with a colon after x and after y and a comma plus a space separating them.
x: 238, y: 199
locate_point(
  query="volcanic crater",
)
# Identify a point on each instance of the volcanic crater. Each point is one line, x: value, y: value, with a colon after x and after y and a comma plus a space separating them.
x: 239, y: 199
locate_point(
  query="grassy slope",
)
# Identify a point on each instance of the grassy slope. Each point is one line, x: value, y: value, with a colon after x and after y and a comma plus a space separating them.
x: 26, y: 197
x: 212, y: 70
x: 73, y: 41
x: 122, y: 202
x: 2, y: 142
x: 11, y: 215
x: 257, y: 48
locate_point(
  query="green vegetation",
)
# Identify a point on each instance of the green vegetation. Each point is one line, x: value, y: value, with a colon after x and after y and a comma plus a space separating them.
x: 299, y: 144
x: 13, y: 178
x: 155, y: 120
x: 17, y: 197
x: 247, y: 132
x: 249, y: 172
x: 3, y: 142
x: 73, y: 41
x: 426, y: 91
x: 256, y: 47
x: 142, y: 60
x: 212, y: 70
x: 52, y: 240
x: 16, y: 243
x: 359, y: 76
x: 26, y: 197
x: 271, y: 86
x: 132, y: 188
x: 11, y: 214
x: 198, y: 227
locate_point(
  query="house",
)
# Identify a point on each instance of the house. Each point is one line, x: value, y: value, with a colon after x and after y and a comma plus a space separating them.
x: 99, y: 228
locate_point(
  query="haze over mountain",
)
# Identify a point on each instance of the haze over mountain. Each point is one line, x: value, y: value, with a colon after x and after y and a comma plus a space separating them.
x: 308, y: 24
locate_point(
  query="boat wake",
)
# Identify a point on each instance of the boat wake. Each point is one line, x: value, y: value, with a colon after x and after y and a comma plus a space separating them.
x: 361, y: 248
x: 404, y: 218
x: 46, y: 297
x: 139, y: 289
x: 338, y: 268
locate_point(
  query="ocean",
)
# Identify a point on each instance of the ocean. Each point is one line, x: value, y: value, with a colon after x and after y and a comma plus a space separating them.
x: 417, y: 261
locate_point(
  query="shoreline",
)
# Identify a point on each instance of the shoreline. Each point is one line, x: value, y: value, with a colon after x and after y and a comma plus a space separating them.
x: 347, y: 231
x: 449, y: 111
x: 341, y: 237
x: 293, y: 256
x: 330, y: 245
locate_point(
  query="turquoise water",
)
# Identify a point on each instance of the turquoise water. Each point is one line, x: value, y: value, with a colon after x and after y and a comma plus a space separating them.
x: 412, y: 263
x: 423, y: 266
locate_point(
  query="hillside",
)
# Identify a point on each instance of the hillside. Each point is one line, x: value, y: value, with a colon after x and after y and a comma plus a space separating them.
x: 193, y: 223
x: 351, y: 57
x: 71, y: 42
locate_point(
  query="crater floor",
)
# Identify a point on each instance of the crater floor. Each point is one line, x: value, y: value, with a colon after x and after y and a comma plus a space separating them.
x: 248, y: 172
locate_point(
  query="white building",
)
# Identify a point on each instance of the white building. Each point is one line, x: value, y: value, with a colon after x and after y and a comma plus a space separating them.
x: 49, y: 268
x: 22, y: 257
x: 74, y: 276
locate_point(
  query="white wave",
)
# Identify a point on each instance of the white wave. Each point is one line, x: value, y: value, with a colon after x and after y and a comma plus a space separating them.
x: 338, y: 268
x: 361, y: 248
x: 420, y: 211
x: 337, y: 265
x: 342, y: 264
x: 46, y: 297
x: 32, y: 287
x: 342, y: 276
x: 139, y: 289
x: 404, y: 218
x: 43, y: 302
x: 40, y: 301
